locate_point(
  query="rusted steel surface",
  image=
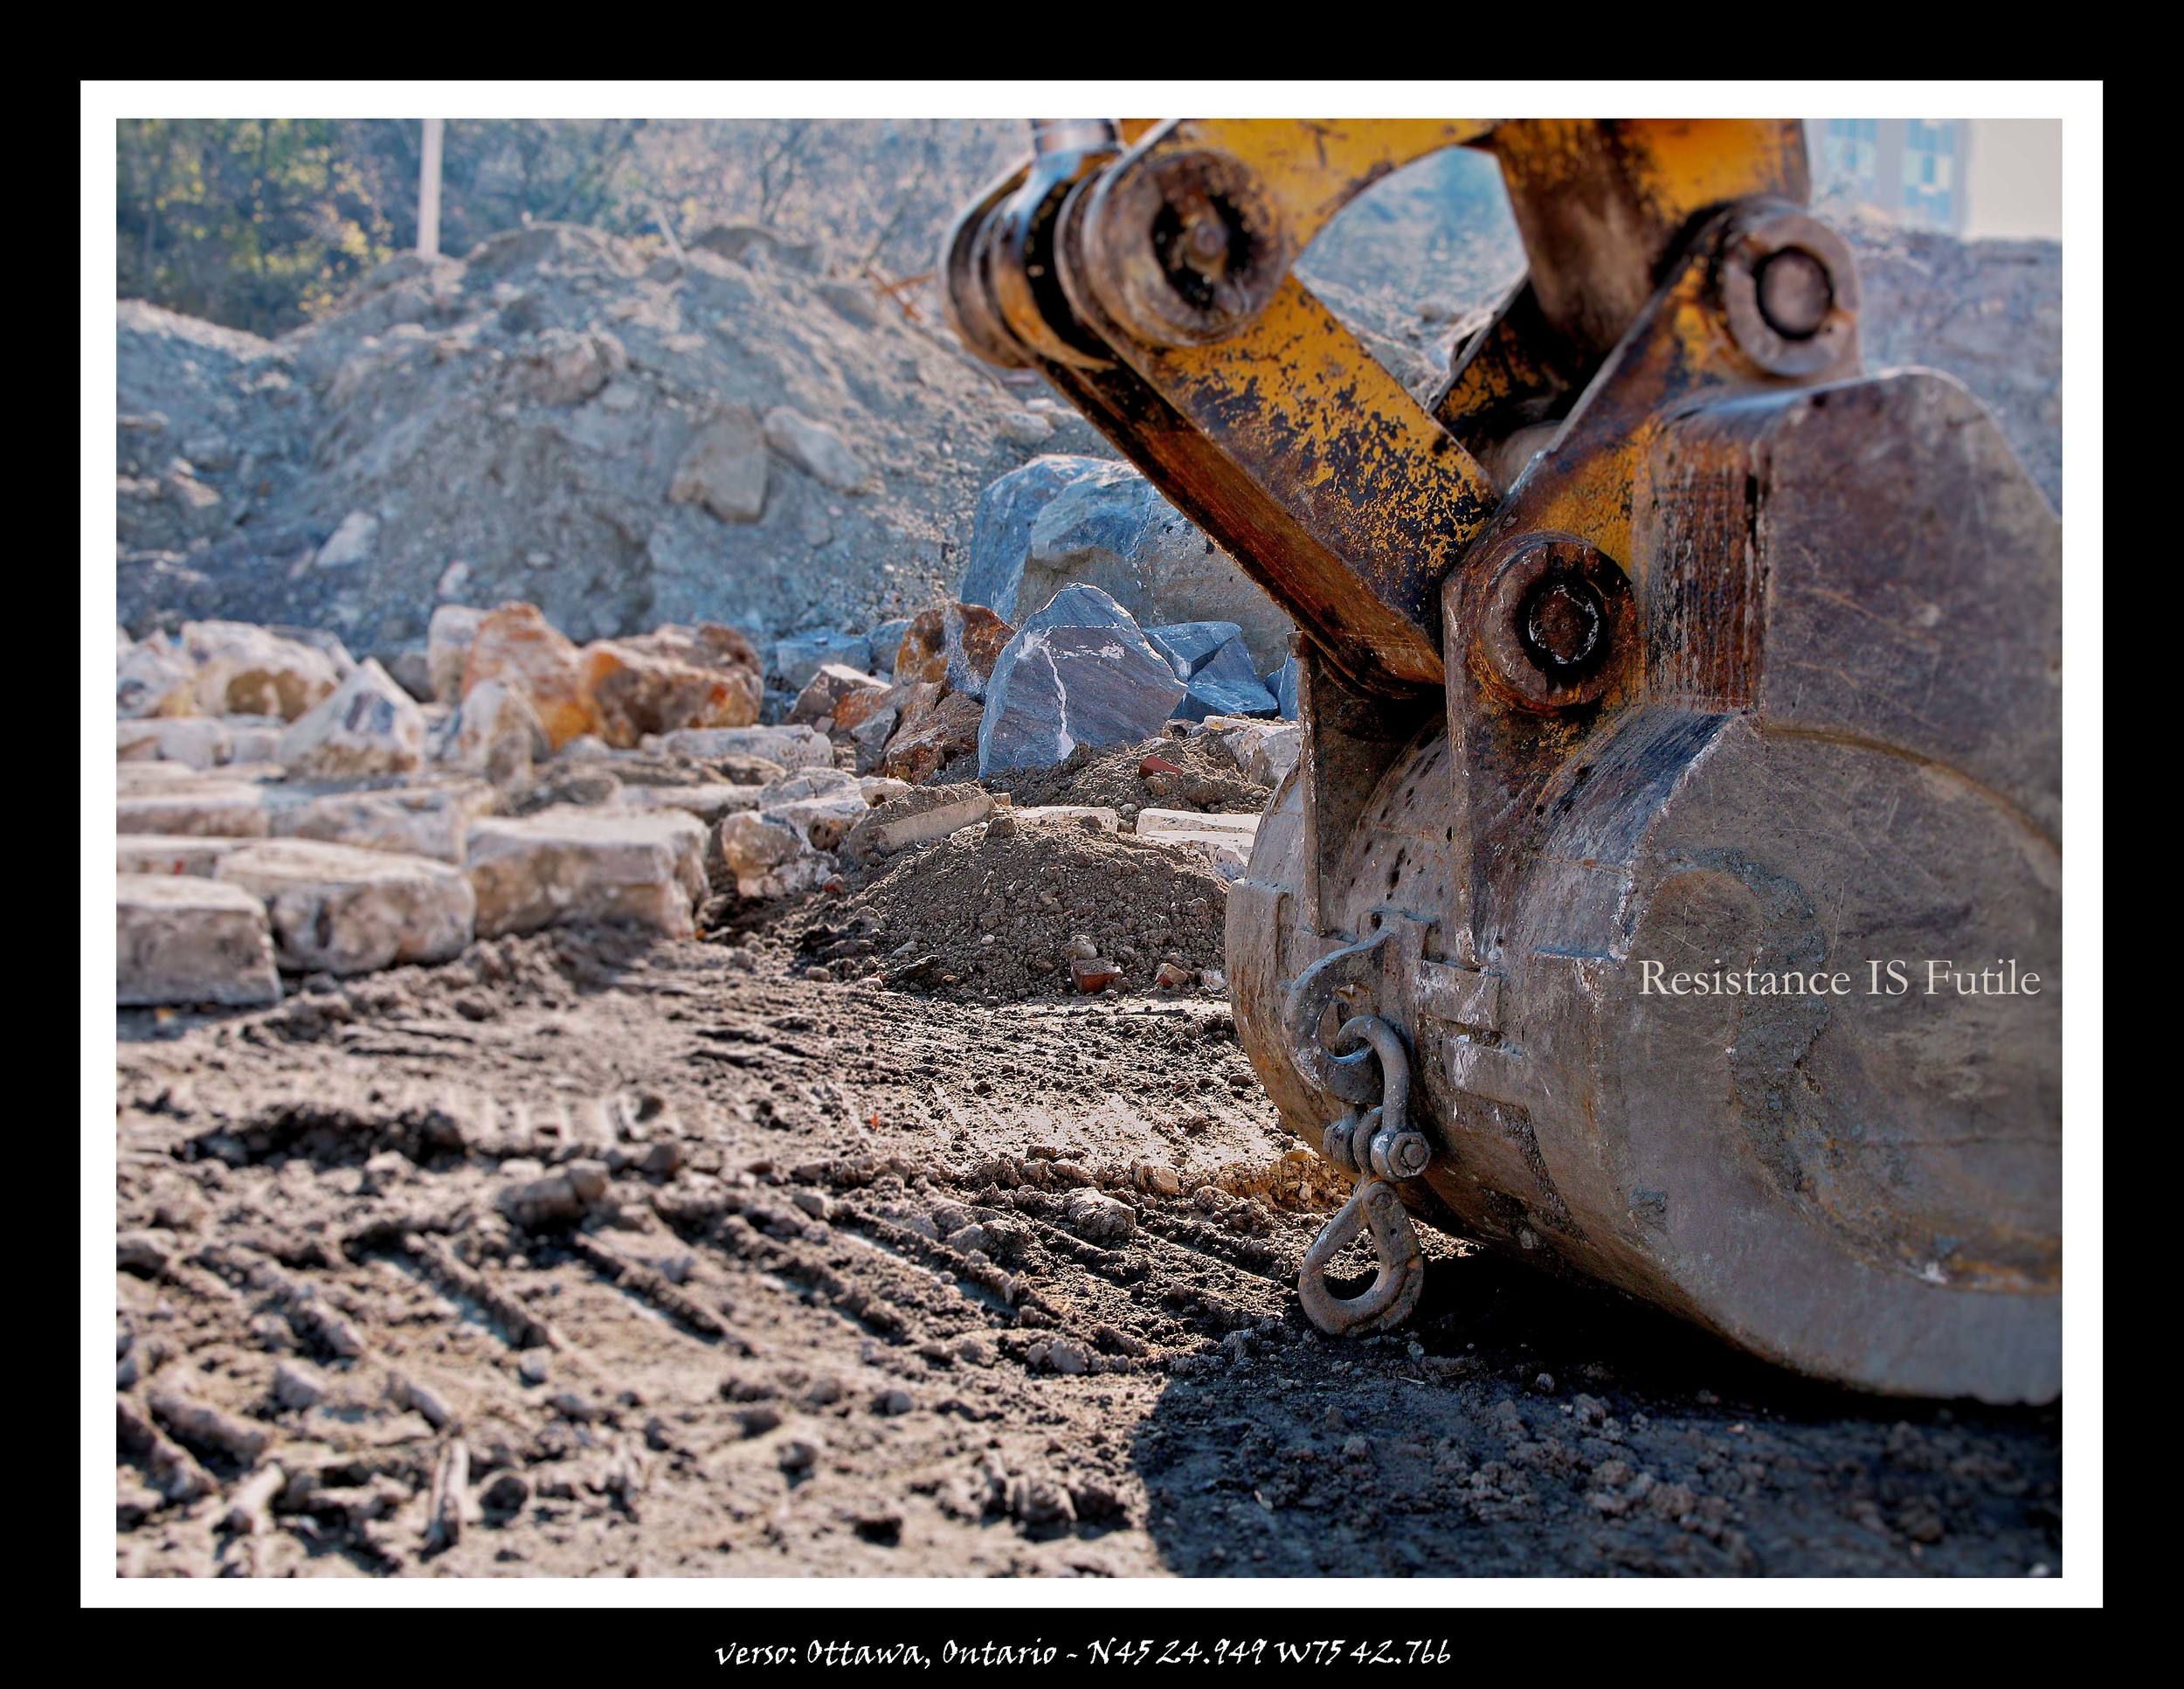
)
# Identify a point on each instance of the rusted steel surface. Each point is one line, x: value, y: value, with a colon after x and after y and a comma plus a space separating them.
x: 1603, y: 206
x: 1747, y: 663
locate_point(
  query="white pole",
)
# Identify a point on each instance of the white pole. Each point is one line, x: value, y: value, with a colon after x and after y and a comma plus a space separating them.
x: 428, y: 191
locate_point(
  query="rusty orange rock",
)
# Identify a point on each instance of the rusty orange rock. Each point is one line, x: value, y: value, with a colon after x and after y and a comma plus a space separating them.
x: 853, y: 710
x: 955, y: 645
x: 837, y: 687
x: 518, y: 646
x: 938, y: 735
x: 672, y: 678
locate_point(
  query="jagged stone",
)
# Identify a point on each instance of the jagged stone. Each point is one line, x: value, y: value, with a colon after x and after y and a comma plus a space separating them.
x: 675, y: 678
x: 1079, y: 673
x: 819, y: 451
x: 953, y: 644
x: 833, y: 684
x: 928, y: 741
x: 768, y: 857
x: 497, y: 734
x: 366, y: 726
x: 343, y: 910
x: 885, y: 645
x: 724, y: 468
x: 1062, y: 519
x: 562, y: 366
x: 801, y: 655
x: 516, y: 644
x: 1190, y: 645
x: 618, y: 866
x: 1225, y: 683
x: 183, y: 940
x: 151, y: 678
x: 448, y: 641
x: 243, y: 669
x: 1264, y: 750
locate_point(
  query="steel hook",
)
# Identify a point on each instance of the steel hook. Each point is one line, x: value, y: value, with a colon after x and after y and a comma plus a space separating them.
x: 1395, y: 1287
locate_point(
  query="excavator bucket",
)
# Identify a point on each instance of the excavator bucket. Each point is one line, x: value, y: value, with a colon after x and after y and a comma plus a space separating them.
x: 1669, y: 888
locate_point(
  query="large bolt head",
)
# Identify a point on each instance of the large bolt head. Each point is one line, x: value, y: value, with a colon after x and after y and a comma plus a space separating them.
x: 1789, y: 293
x: 1556, y: 626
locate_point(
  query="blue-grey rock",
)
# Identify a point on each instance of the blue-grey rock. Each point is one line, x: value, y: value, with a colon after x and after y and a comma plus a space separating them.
x: 802, y: 656
x: 1282, y: 684
x: 886, y: 640
x: 1001, y: 532
x: 1078, y: 671
x: 1190, y: 645
x: 1226, y: 684
x: 1060, y: 519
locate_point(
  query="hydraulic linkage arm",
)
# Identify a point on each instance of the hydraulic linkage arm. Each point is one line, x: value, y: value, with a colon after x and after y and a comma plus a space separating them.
x: 1587, y: 642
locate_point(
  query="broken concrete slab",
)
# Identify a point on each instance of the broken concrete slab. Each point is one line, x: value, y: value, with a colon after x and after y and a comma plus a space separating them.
x: 643, y: 867
x: 1079, y: 673
x: 366, y: 727
x: 345, y: 911
x: 917, y: 816
x: 790, y: 746
x: 171, y: 854
x: 243, y: 669
x: 1071, y: 814
x: 1224, y: 840
x: 427, y: 821
x: 199, y: 808
x: 182, y: 940
x: 198, y: 741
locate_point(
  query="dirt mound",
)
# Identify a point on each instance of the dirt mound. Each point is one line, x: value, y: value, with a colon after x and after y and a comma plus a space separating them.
x: 1110, y: 776
x: 518, y: 425
x: 990, y: 915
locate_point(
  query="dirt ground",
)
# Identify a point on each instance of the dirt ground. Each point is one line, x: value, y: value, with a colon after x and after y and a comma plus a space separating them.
x: 586, y: 1255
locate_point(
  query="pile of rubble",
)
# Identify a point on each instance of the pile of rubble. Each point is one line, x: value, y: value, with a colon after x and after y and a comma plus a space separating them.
x: 620, y: 434
x: 283, y: 807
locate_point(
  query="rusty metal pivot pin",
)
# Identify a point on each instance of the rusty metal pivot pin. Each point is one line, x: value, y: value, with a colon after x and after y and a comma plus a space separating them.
x: 1557, y: 623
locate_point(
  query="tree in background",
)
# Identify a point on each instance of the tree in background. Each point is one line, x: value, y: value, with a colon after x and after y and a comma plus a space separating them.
x: 263, y: 223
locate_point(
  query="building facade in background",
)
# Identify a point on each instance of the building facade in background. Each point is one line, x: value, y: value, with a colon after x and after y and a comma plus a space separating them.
x: 1971, y: 177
